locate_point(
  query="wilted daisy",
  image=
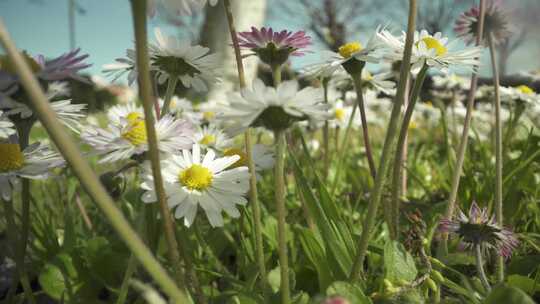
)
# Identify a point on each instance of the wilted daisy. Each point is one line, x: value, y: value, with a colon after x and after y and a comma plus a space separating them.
x: 275, y: 108
x: 126, y: 135
x: 6, y: 126
x: 479, y: 229
x: 191, y: 64
x: 495, y: 24
x: 210, y: 136
x: 34, y: 162
x: 521, y: 93
x: 121, y: 66
x: 350, y: 56
x: 274, y: 48
x: 433, y: 50
x: 192, y: 179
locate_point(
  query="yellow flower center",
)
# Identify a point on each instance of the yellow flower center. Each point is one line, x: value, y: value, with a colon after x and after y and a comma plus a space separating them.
x: 136, y: 132
x: 348, y: 49
x: 368, y: 76
x: 434, y: 44
x: 340, y: 114
x: 8, y: 66
x: 525, y: 89
x: 413, y: 125
x: 429, y: 103
x: 208, y: 140
x: 196, y: 177
x: 242, y: 162
x: 209, y: 115
x: 12, y: 158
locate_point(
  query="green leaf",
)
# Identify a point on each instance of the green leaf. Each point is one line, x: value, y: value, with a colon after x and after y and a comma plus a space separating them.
x: 58, y: 277
x: 507, y: 295
x: 349, y: 291
x: 104, y: 263
x: 399, y: 265
x: 524, y: 283
x: 274, y: 279
x: 314, y: 249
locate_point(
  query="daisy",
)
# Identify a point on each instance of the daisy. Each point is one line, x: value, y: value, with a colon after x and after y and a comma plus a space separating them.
x: 274, y: 48
x: 178, y: 106
x: 520, y: 93
x: 121, y: 66
x: 478, y: 228
x: 346, y: 57
x: 274, y: 108
x: 126, y: 136
x: 495, y: 24
x: 192, y: 179
x: 433, y: 50
x: 451, y: 82
x: 69, y: 114
x: 263, y: 157
x: 34, y: 162
x: 210, y: 136
x: 340, y: 115
x: 192, y: 65
x: 6, y: 126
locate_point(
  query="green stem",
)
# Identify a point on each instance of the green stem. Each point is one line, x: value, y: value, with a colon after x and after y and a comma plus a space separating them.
x: 498, y: 152
x: 69, y: 149
x: 380, y: 180
x: 399, y: 164
x: 342, y: 150
x: 191, y: 274
x: 171, y: 87
x: 253, y: 194
x: 326, y: 135
x: 276, y: 74
x: 357, y: 79
x: 279, y: 177
x: 480, y: 266
x: 19, y: 259
x: 464, y: 137
x: 145, y: 92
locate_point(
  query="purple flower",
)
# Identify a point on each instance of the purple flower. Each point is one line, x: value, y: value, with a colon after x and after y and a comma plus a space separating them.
x: 62, y: 67
x: 478, y: 228
x: 274, y: 47
x: 495, y: 23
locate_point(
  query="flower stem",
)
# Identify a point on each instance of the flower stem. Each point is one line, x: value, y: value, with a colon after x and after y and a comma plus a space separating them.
x: 343, y: 149
x: 380, y: 180
x: 253, y: 194
x: 464, y: 136
x: 399, y: 165
x: 498, y: 151
x: 171, y: 87
x: 480, y: 266
x: 84, y: 172
x: 19, y: 259
x: 276, y: 74
x: 145, y: 92
x: 357, y: 79
x: 279, y: 177
x: 191, y: 275
x: 326, y: 135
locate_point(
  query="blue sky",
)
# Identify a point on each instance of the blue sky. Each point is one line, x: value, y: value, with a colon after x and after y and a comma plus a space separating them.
x: 105, y: 30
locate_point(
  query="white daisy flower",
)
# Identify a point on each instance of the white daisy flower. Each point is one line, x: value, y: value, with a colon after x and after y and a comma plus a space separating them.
x: 121, y: 66
x: 274, y: 108
x: 433, y: 50
x: 332, y: 62
x: 6, y: 126
x: 178, y: 106
x: 520, y: 93
x: 120, y: 114
x: 451, y: 81
x: 35, y: 162
x: 263, y: 157
x: 192, y: 179
x: 127, y: 137
x: 192, y: 65
x: 341, y: 114
x: 210, y: 136
x: 69, y: 114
